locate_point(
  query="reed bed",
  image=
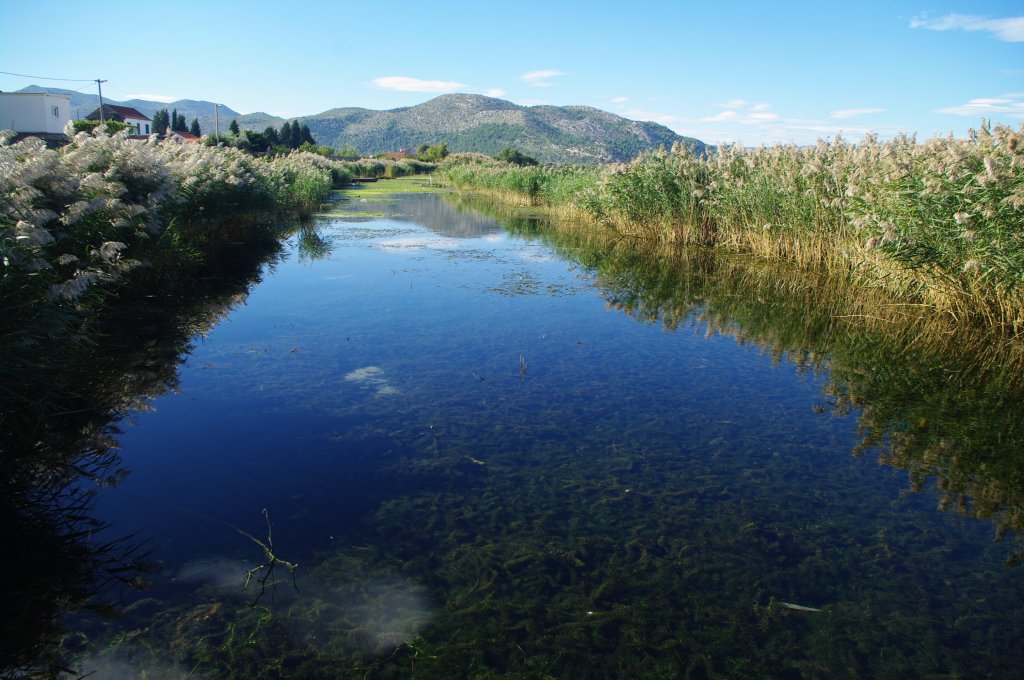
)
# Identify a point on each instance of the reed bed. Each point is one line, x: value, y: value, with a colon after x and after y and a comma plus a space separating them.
x: 104, y: 204
x: 938, y: 223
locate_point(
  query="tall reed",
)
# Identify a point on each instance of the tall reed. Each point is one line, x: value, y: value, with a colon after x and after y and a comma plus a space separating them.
x: 938, y: 222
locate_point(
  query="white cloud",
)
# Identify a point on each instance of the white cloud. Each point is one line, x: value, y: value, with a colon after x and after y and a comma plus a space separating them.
x: 1009, y: 29
x: 743, y: 113
x: 541, y: 78
x: 405, y: 84
x: 724, y: 115
x: 654, y: 116
x: 495, y: 92
x: 167, y: 99
x: 532, y: 102
x: 619, y: 100
x: 842, y: 114
x: 1011, y: 105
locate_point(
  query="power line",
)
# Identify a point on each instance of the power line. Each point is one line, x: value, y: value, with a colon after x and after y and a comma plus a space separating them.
x: 69, y: 80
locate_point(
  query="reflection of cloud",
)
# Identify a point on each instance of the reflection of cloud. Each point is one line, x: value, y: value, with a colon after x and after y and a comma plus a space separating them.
x: 406, y: 84
x: 1011, y: 105
x: 219, y: 572
x: 373, y: 377
x: 541, y: 78
x: 390, y: 610
x: 842, y: 114
x: 1009, y: 29
x: 425, y: 241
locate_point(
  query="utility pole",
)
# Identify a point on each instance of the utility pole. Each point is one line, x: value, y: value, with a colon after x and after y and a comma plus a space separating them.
x: 99, y: 84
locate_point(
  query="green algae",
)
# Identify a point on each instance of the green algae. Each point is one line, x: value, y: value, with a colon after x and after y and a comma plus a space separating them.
x: 518, y: 526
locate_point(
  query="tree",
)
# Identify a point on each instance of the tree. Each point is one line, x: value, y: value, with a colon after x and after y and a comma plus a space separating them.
x: 234, y: 127
x: 512, y: 155
x: 435, y: 153
x: 306, y: 136
x: 179, y: 124
x: 194, y: 129
x: 286, y: 136
x: 272, y: 137
x: 161, y: 121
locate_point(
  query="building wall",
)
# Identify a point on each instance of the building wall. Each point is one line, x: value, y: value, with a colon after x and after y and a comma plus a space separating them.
x: 31, y: 112
x: 142, y: 127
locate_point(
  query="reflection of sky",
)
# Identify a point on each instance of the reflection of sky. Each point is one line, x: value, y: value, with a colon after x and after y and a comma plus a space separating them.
x: 270, y: 398
x: 430, y: 211
x: 335, y: 368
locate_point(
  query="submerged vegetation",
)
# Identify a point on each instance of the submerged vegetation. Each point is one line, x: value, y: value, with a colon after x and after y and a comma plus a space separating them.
x: 543, y: 518
x: 555, y: 515
x: 936, y: 223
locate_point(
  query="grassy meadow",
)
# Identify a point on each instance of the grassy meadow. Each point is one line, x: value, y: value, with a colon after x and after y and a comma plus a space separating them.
x: 937, y: 224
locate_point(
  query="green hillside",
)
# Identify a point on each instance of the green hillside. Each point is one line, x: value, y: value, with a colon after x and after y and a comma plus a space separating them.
x: 466, y: 122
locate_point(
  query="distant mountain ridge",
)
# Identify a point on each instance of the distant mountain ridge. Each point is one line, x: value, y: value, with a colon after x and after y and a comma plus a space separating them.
x: 83, y: 104
x: 470, y: 122
x: 466, y: 122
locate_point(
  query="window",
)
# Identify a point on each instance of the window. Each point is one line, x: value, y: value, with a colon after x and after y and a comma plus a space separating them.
x: 147, y: 128
x: 55, y: 111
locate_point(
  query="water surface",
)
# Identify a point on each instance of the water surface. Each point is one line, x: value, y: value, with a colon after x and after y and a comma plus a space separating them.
x: 491, y: 454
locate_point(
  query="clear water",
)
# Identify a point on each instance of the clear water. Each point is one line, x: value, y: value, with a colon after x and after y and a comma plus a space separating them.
x: 485, y: 467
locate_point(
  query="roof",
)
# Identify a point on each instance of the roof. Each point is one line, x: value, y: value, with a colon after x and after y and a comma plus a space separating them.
x: 122, y: 111
x: 185, y: 136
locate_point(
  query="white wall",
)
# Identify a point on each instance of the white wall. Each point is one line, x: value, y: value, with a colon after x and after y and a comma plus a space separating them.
x: 143, y: 127
x: 30, y: 112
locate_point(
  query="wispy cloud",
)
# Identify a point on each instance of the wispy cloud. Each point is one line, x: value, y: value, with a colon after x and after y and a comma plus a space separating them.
x: 655, y: 116
x: 843, y: 114
x: 495, y: 92
x: 741, y: 111
x: 1011, y: 105
x: 155, y: 97
x: 1010, y: 29
x: 619, y: 100
x: 541, y: 78
x: 406, y: 84
x: 733, y: 104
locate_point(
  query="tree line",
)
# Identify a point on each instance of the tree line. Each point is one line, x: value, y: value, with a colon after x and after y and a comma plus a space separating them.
x: 291, y: 135
x: 164, y: 120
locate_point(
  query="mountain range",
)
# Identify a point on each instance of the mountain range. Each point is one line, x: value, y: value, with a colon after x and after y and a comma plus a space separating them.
x: 466, y: 122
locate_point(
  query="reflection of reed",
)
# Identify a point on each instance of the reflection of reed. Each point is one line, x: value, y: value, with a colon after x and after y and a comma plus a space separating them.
x: 932, y: 397
x: 58, y: 441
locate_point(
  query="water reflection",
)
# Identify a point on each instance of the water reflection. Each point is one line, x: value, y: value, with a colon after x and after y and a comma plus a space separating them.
x: 445, y: 218
x: 941, y: 402
x: 59, y: 446
x: 633, y: 504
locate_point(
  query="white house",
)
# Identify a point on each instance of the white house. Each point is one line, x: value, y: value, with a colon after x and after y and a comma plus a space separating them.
x: 34, y: 112
x: 125, y: 114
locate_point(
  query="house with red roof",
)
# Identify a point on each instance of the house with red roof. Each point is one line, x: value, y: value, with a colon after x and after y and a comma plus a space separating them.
x: 183, y: 136
x: 125, y: 114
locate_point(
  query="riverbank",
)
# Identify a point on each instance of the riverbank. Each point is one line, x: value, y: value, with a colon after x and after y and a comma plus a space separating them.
x: 936, y: 224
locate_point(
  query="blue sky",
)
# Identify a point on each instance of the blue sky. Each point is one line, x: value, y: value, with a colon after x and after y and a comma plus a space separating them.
x: 723, y: 70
